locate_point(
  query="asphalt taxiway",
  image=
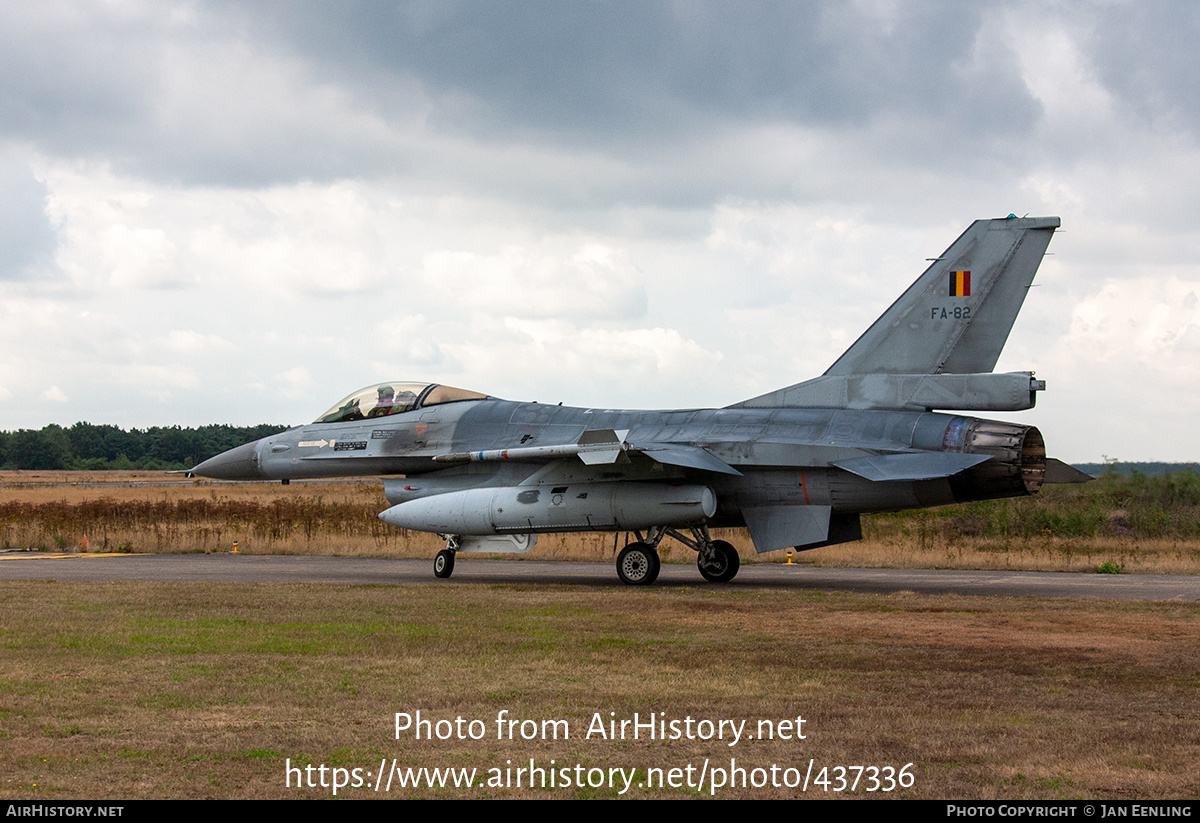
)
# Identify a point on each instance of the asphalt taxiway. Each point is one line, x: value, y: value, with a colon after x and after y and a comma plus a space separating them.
x: 241, y: 568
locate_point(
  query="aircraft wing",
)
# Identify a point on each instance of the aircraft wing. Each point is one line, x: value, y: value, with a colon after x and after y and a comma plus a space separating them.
x: 598, y: 447
x: 606, y: 446
x: 688, y: 457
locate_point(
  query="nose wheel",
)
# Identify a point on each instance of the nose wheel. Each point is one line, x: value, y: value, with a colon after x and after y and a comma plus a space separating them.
x: 443, y: 564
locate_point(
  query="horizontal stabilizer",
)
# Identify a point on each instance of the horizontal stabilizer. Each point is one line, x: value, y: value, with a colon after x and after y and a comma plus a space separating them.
x: 1058, y: 473
x: 915, y: 466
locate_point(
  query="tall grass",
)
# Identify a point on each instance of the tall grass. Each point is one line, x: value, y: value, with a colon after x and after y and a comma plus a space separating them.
x: 1138, y: 522
x: 1114, y: 506
x: 190, y: 517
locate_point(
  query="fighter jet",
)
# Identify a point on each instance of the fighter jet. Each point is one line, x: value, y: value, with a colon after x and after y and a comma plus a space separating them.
x: 880, y: 430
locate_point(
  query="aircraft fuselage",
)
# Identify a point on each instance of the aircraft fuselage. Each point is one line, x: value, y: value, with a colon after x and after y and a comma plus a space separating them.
x: 784, y: 456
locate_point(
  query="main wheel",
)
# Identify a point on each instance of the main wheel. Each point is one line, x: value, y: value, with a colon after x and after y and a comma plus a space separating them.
x: 721, y: 564
x: 638, y: 565
x: 443, y: 564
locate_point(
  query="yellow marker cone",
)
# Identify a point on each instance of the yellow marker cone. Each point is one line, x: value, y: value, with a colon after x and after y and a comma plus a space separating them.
x: 235, y: 545
x: 789, y: 557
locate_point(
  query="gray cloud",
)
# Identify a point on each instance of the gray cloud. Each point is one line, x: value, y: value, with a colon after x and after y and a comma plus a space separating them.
x: 663, y: 203
x: 1146, y: 54
x: 601, y: 70
x: 273, y: 93
x: 27, y: 239
x: 75, y: 82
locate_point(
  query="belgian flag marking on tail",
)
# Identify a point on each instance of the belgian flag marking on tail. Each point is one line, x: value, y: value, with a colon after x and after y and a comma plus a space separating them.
x: 960, y: 284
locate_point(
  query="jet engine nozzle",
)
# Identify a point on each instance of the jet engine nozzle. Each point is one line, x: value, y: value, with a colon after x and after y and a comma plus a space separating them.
x: 1017, y: 467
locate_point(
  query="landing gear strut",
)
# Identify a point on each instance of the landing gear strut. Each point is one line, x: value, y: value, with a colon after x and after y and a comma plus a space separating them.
x: 638, y: 563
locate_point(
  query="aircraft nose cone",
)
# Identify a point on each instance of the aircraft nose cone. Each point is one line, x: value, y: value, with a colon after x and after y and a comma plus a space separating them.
x: 236, y: 464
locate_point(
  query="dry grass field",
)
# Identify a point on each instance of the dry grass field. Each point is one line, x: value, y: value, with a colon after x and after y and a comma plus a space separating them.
x: 157, y: 512
x: 144, y: 690
x: 156, y: 690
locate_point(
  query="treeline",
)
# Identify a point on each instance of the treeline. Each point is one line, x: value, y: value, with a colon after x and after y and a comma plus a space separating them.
x: 1120, y: 467
x: 86, y: 446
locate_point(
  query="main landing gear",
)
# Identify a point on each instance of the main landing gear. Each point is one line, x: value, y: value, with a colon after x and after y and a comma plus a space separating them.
x: 638, y: 563
x: 718, y: 562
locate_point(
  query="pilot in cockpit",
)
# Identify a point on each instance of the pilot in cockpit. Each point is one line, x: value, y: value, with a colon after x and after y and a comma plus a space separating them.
x: 405, y: 400
x: 385, y: 405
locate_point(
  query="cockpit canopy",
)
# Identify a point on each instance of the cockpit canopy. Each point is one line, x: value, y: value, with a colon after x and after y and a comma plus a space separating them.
x: 383, y: 399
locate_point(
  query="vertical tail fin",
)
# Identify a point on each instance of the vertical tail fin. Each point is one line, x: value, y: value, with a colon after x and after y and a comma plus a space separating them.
x: 956, y: 317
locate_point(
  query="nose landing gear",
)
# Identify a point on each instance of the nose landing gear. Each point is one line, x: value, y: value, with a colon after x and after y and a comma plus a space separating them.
x: 443, y: 564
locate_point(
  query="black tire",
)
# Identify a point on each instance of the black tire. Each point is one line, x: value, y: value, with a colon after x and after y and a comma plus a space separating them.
x: 723, y: 564
x: 638, y: 565
x: 443, y: 564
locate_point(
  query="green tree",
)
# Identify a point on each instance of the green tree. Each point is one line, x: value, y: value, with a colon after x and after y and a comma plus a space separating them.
x: 49, y: 448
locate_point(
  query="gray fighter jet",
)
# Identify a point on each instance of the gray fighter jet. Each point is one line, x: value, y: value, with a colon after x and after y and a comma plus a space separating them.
x: 796, y: 467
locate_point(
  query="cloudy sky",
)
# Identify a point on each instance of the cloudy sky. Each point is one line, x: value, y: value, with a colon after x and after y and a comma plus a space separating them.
x: 232, y: 212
